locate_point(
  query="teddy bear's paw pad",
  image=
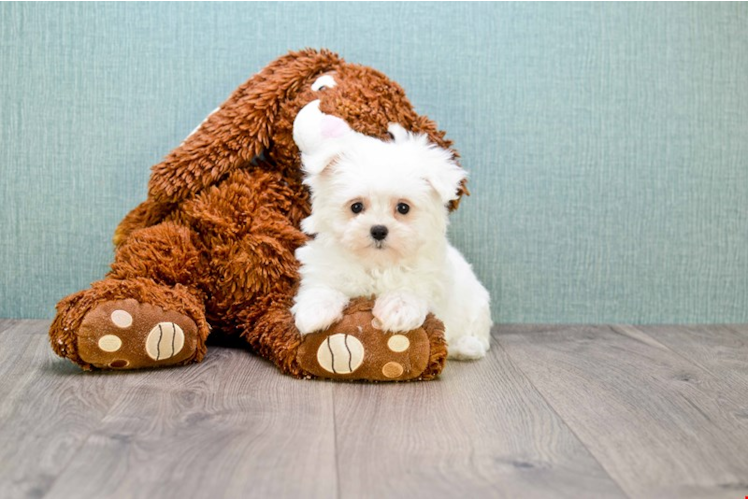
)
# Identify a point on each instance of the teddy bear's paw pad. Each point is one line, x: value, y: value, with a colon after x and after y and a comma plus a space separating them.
x: 340, y: 353
x: 126, y: 334
x: 355, y: 348
x: 164, y: 341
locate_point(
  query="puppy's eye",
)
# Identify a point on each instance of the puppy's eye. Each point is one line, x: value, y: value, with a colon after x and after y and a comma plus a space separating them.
x: 357, y: 207
x: 403, y: 208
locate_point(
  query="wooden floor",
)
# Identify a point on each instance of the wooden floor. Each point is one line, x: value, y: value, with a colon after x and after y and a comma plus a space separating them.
x: 554, y: 411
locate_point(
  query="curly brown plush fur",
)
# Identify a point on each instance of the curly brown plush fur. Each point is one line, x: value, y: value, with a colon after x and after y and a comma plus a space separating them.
x: 214, y: 242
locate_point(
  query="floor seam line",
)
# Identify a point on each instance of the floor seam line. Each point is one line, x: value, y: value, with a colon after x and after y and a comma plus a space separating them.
x: 88, y: 438
x: 555, y: 412
x: 335, y: 443
x: 670, y: 349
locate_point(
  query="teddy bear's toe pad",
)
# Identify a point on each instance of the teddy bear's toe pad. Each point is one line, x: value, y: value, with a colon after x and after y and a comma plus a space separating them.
x: 126, y: 334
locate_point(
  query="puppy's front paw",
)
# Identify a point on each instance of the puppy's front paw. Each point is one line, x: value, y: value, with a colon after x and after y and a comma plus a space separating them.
x: 467, y: 348
x: 400, y: 311
x: 317, y: 311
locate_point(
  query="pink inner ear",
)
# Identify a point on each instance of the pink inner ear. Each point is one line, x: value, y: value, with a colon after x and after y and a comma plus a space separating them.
x: 333, y: 127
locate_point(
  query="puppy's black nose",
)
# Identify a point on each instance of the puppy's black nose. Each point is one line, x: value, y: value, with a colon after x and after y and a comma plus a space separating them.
x: 379, y: 232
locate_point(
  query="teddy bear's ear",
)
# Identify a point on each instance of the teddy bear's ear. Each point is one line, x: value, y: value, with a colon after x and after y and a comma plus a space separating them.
x: 320, y: 138
x: 239, y: 130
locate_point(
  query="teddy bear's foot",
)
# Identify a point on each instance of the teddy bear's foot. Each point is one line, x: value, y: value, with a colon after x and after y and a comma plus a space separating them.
x: 131, y: 323
x: 356, y: 348
x: 126, y: 334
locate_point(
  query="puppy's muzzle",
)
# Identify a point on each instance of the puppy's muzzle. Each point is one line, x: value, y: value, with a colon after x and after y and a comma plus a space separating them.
x: 379, y: 233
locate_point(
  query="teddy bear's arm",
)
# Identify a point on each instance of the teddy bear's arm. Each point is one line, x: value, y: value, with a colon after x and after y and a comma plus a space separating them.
x: 238, y: 131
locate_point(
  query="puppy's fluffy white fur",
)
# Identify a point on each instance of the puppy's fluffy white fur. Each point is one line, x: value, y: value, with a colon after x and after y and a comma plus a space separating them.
x: 413, y: 270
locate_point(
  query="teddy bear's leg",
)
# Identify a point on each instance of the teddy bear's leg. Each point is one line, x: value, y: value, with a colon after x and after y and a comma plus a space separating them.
x: 148, y: 312
x: 354, y: 348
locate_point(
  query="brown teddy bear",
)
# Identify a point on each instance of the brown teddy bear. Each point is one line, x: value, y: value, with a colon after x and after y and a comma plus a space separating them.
x: 213, y: 245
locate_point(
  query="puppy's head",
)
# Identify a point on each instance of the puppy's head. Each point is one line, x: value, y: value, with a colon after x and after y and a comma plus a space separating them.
x: 385, y: 201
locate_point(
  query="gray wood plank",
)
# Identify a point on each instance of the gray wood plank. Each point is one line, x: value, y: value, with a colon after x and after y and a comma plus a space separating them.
x: 722, y: 350
x: 658, y: 423
x: 7, y: 323
x: 48, y: 407
x: 663, y: 411
x: 739, y: 328
x: 232, y: 426
x: 14, y: 340
x: 482, y: 430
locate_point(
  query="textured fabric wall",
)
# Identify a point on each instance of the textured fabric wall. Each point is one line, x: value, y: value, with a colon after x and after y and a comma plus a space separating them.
x: 608, y: 144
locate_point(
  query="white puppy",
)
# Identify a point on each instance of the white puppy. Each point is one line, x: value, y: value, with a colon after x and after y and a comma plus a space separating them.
x: 379, y: 216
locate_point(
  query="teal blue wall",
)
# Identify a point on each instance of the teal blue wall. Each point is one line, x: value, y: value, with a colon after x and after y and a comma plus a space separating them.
x: 608, y: 144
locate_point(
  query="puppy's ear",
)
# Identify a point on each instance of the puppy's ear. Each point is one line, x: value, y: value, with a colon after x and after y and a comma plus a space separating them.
x: 446, y: 177
x: 320, y: 138
x: 444, y: 173
x: 424, y: 125
x: 316, y: 164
